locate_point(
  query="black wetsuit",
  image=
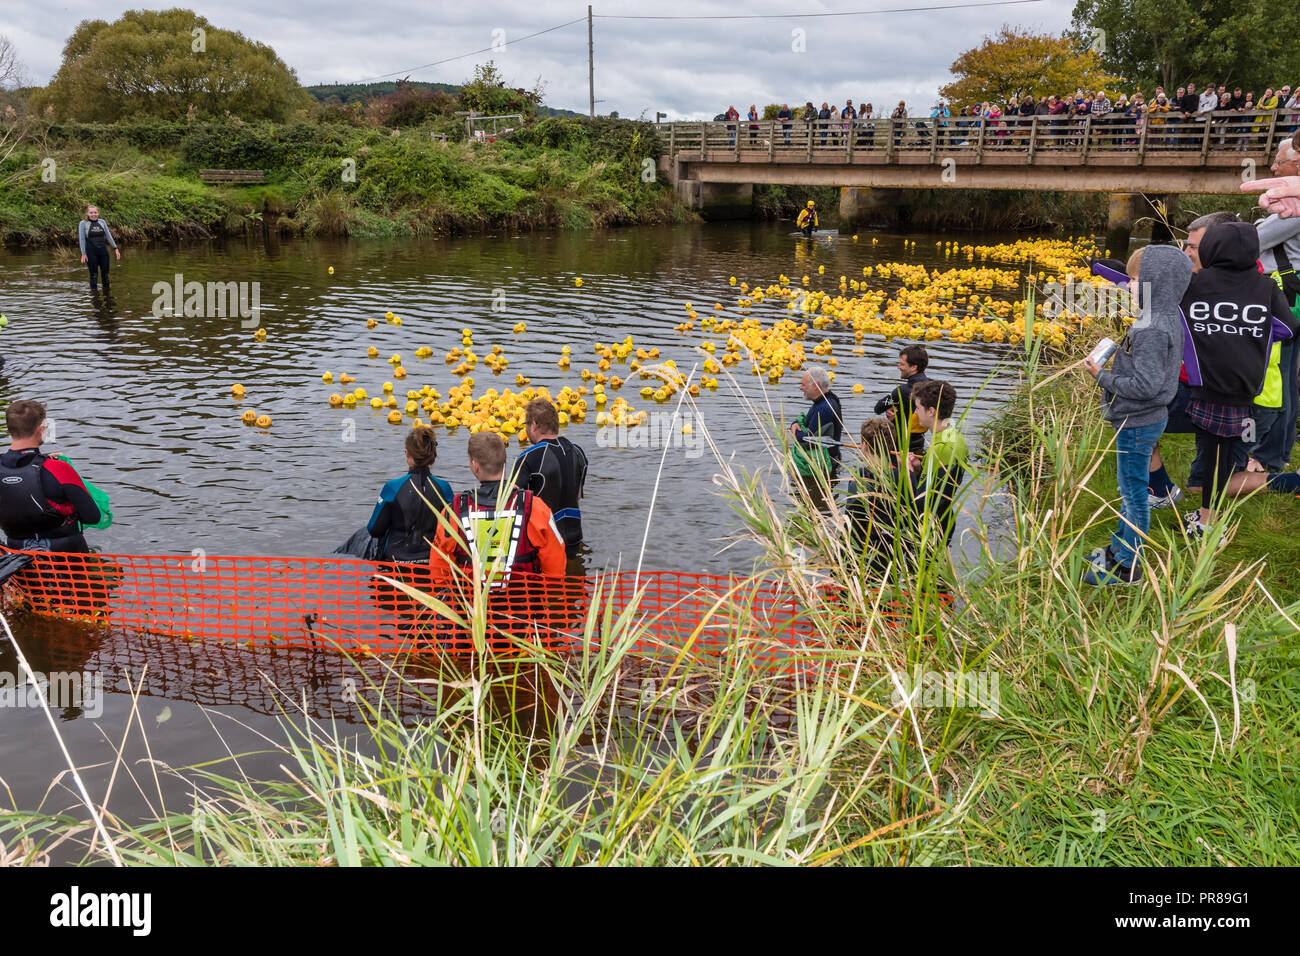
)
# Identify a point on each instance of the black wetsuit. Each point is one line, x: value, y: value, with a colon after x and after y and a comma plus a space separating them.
x: 555, y: 469
x: 405, y: 519
x: 97, y: 252
x: 43, y: 503
x: 900, y: 400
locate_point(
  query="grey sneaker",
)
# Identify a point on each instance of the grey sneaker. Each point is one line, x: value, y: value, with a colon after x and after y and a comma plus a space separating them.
x: 1160, y: 502
x: 1112, y: 572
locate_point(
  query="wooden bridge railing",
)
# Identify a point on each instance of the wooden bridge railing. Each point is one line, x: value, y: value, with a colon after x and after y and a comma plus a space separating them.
x: 1225, y: 138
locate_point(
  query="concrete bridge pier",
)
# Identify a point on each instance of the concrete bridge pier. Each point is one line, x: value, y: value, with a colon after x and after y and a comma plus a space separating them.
x: 1125, y: 211
x: 716, y: 201
x: 860, y: 204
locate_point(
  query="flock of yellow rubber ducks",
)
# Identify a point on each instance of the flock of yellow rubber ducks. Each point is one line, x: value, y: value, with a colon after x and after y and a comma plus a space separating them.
x: 893, y: 300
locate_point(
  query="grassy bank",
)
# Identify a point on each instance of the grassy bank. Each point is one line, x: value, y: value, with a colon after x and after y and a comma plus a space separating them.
x: 558, y: 173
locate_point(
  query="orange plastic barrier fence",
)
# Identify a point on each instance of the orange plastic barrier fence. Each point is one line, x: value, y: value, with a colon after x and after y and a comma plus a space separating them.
x: 342, y: 602
x: 264, y: 678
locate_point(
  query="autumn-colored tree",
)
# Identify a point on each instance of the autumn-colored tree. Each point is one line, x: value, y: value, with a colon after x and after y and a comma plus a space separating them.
x: 169, y: 64
x: 1018, y: 62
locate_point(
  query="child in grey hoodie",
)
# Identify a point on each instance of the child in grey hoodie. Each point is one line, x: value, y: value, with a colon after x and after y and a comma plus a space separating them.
x: 1136, y: 393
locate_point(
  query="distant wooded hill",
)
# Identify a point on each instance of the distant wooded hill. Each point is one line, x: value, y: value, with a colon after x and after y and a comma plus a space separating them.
x: 347, y: 92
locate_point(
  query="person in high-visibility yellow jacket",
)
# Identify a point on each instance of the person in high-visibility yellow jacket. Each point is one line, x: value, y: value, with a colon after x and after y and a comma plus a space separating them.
x: 807, y: 220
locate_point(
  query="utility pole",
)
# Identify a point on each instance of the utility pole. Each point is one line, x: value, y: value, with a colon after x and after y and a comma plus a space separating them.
x: 591, y: 65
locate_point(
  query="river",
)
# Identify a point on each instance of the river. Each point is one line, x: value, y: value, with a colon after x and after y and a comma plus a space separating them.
x: 141, y: 402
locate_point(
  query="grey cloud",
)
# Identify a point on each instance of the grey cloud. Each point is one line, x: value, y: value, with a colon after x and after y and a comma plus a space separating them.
x: 689, y: 69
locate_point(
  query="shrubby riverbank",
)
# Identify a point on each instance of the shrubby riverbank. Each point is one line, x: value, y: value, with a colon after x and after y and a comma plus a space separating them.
x: 559, y: 173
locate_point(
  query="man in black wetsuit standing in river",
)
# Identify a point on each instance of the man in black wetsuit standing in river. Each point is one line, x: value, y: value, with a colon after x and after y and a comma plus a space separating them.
x: 554, y: 469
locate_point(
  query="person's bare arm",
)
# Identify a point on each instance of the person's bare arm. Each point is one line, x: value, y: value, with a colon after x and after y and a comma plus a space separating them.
x: 1281, y: 194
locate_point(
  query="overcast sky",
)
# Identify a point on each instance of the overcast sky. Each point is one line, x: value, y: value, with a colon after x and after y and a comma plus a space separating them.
x: 688, y: 68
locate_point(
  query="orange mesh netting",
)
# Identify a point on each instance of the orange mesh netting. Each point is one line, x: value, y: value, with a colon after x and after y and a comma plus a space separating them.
x: 264, y: 678
x: 342, y: 602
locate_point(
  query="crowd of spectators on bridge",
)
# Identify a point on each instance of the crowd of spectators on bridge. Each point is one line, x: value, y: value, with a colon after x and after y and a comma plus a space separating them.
x: 1122, y: 122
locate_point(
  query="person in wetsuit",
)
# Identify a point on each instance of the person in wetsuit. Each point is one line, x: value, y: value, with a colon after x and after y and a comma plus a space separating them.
x: 405, y: 519
x: 43, y: 501
x: 554, y: 469
x: 95, y: 238
x: 897, y: 405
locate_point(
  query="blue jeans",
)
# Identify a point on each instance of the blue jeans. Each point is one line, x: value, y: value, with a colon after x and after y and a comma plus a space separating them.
x: 1133, y: 447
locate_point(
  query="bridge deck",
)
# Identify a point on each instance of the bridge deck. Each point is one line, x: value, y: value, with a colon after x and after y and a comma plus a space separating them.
x: 1165, y: 152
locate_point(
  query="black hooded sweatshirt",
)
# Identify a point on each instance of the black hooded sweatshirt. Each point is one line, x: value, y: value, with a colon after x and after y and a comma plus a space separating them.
x: 1234, y: 313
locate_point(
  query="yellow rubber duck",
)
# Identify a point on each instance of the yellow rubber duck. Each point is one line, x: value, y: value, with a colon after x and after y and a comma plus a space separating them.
x: 237, y: 391
x: 249, y: 416
x: 330, y: 270
x: 327, y: 377
x: 394, y: 417
x: 263, y: 421
x: 336, y: 400
x: 372, y: 352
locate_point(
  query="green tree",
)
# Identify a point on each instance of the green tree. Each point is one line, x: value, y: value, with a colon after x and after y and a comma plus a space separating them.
x: 1018, y: 62
x: 169, y: 64
x: 1246, y: 43
x: 488, y: 94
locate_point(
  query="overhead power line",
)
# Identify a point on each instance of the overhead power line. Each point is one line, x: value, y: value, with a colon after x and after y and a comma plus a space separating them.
x: 743, y: 16
x: 809, y: 16
x: 461, y: 56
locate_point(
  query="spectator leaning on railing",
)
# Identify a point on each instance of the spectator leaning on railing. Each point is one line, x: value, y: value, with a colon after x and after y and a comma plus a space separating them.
x: 1101, y: 110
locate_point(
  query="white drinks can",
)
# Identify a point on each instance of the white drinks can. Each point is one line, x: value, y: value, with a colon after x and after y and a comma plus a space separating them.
x: 1102, y: 353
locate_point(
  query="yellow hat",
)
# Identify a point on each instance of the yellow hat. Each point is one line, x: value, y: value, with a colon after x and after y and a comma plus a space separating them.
x: 811, y: 203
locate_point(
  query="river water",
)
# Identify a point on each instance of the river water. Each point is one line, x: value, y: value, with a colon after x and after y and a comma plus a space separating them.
x: 141, y: 403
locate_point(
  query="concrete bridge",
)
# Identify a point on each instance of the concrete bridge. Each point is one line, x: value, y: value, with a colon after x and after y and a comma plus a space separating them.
x: 714, y: 166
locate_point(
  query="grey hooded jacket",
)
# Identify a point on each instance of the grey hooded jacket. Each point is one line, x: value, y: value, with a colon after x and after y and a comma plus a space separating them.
x: 84, y: 226
x: 1143, y: 379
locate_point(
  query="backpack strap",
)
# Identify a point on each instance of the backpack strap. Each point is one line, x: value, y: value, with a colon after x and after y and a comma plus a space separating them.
x: 1286, y: 275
